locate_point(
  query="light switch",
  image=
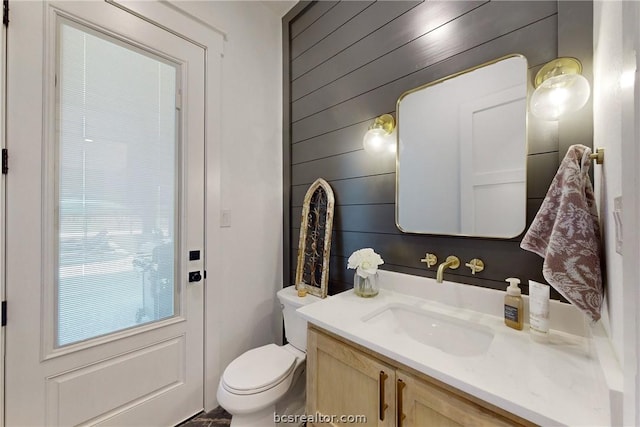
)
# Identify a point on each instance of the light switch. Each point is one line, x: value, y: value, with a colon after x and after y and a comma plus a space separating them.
x: 617, y: 218
x: 225, y: 218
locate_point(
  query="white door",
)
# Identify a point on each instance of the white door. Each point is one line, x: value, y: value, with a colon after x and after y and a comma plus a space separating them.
x: 105, y: 202
x: 492, y: 140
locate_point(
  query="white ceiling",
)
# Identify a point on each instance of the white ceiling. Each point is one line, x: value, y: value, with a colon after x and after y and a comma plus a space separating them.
x: 279, y: 7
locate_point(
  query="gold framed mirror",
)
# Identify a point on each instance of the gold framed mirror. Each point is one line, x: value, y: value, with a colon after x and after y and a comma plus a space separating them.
x: 461, y: 163
x: 312, y: 272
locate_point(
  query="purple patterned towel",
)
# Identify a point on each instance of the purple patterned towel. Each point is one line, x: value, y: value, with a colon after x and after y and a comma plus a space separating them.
x: 566, y: 233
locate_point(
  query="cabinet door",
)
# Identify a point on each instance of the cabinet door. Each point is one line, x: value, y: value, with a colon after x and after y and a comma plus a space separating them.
x: 343, y: 383
x: 421, y: 403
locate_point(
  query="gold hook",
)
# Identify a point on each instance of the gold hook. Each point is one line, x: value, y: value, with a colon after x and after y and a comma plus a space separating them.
x: 598, y: 156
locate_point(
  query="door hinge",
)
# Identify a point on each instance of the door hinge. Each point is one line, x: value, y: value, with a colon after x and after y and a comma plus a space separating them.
x: 5, y: 12
x: 4, y: 313
x: 5, y: 161
x: 179, y: 99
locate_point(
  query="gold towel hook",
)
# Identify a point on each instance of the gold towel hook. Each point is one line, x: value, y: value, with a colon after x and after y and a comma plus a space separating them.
x: 598, y: 156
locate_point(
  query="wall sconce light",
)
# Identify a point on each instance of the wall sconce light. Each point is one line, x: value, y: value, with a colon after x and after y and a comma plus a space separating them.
x: 560, y: 88
x: 378, y: 138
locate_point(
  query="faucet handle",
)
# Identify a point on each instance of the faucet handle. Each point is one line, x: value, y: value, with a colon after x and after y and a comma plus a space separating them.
x: 429, y: 259
x: 476, y: 265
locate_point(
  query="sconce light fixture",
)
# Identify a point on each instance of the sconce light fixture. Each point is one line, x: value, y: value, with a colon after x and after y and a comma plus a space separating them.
x: 560, y: 88
x: 379, y: 138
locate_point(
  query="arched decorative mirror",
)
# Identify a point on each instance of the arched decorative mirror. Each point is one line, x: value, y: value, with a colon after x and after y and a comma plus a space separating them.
x: 312, y: 272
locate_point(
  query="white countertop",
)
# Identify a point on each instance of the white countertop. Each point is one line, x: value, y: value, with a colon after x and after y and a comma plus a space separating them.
x: 556, y: 383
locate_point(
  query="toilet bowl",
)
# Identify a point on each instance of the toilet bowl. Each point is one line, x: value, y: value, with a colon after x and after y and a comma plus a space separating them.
x: 253, y: 384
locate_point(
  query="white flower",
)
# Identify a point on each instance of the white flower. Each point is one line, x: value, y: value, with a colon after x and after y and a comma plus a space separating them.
x: 365, y: 261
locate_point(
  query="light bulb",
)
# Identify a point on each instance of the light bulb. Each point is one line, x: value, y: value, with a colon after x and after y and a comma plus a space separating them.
x: 559, y: 95
x: 381, y: 136
x: 374, y: 141
x: 627, y: 79
x: 391, y: 140
x: 391, y: 146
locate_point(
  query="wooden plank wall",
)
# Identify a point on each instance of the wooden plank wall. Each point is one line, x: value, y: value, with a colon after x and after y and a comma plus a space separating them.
x: 346, y: 63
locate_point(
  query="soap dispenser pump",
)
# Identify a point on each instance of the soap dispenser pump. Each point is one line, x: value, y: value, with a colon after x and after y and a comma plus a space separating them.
x: 513, y: 306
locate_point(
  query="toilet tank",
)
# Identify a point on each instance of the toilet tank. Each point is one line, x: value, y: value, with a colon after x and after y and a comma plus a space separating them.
x: 295, y: 327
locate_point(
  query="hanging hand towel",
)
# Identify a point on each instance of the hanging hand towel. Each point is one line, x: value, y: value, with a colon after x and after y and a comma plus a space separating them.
x: 566, y: 233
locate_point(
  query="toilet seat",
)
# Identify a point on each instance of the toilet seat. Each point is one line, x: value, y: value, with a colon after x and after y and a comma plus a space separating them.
x: 258, y: 370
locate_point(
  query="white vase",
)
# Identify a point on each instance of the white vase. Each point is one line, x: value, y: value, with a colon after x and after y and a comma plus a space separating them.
x: 366, y: 286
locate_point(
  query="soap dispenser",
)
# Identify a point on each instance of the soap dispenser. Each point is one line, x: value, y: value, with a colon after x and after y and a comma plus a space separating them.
x: 513, y: 306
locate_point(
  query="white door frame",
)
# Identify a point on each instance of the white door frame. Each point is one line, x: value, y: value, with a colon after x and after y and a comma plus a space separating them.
x: 3, y: 144
x: 211, y: 39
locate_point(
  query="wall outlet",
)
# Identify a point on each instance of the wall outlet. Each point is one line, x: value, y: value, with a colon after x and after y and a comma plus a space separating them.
x: 225, y: 218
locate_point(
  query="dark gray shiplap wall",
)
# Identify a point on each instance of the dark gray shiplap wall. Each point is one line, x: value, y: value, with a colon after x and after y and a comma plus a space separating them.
x: 347, y: 62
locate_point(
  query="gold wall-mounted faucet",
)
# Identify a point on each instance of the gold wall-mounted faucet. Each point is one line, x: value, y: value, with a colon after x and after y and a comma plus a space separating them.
x: 451, y: 262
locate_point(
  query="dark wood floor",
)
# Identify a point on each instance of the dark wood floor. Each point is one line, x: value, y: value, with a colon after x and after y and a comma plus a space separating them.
x: 215, y: 418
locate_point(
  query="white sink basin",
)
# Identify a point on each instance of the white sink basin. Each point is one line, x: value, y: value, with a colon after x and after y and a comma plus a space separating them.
x: 453, y: 336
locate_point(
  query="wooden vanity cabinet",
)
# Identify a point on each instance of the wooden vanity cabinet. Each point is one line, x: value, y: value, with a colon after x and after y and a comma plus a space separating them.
x: 344, y: 381
x: 344, y: 378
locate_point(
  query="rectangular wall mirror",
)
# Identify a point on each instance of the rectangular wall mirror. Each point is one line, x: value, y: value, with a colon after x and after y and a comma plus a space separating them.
x: 462, y: 147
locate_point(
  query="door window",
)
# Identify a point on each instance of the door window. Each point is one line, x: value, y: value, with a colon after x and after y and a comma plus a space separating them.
x: 117, y: 161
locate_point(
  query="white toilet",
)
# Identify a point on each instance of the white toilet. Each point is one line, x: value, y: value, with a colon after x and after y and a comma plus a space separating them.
x: 261, y: 378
